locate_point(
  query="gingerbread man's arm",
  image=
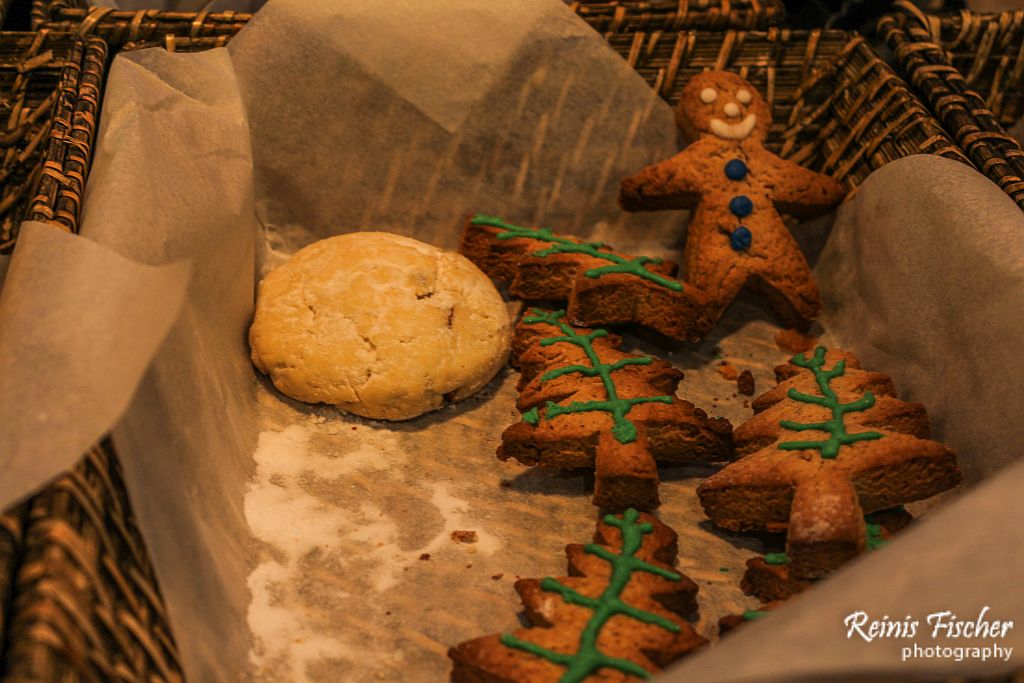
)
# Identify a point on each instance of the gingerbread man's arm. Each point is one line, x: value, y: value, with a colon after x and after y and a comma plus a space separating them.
x: 669, y: 184
x: 805, y: 193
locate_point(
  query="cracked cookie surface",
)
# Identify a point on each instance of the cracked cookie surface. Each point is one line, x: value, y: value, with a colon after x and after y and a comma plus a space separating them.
x: 380, y: 325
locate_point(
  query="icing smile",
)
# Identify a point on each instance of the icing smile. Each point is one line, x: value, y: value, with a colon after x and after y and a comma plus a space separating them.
x: 734, y: 131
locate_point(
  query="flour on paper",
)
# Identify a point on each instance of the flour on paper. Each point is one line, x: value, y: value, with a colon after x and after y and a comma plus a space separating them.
x: 328, y: 548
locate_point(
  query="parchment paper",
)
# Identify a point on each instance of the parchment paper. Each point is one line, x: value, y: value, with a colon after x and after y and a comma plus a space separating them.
x: 287, y: 539
x: 50, y: 418
x: 172, y: 178
x: 519, y: 109
x: 935, y: 296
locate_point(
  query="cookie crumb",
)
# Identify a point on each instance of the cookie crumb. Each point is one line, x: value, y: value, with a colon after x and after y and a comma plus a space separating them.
x: 425, y: 556
x: 497, y: 577
x: 794, y: 341
x: 727, y: 371
x: 461, y: 536
x: 745, y: 383
x: 505, y: 483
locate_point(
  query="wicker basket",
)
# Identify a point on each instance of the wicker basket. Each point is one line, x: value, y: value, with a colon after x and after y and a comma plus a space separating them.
x: 150, y: 26
x: 970, y: 70
x: 142, y: 27
x: 78, y: 599
x: 44, y: 77
x: 85, y: 603
x: 613, y: 16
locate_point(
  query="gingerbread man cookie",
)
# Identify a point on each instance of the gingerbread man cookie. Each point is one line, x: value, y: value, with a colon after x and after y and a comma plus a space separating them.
x: 736, y: 190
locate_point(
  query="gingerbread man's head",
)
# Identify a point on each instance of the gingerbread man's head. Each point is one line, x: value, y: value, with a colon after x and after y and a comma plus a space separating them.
x: 722, y: 105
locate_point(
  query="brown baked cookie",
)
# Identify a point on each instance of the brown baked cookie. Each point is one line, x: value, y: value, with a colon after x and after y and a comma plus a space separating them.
x: 736, y: 190
x: 616, y: 617
x: 836, y: 452
x: 587, y: 404
x: 599, y: 286
x: 768, y: 578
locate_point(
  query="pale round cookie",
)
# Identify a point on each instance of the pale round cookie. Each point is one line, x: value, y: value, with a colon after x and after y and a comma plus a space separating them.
x: 379, y: 325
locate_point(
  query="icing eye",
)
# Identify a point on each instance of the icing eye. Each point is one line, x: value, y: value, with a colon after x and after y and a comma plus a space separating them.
x: 708, y: 95
x: 743, y: 96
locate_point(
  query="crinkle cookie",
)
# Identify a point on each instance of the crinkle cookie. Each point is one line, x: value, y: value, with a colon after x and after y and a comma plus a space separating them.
x: 379, y: 325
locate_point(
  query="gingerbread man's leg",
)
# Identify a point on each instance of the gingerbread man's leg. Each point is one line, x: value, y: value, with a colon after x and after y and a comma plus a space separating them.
x: 720, y: 276
x: 791, y: 291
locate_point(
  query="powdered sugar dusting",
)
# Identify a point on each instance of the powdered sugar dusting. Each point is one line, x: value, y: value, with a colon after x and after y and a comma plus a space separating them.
x: 322, y: 505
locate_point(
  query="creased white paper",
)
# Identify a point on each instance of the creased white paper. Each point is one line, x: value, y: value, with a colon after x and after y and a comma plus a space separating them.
x: 66, y: 376
x: 172, y: 178
x: 540, y: 123
x: 925, y: 281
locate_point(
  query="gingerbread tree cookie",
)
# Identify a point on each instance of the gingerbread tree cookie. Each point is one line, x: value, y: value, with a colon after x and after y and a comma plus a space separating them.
x: 736, y: 190
x: 837, y: 451
x: 616, y: 617
x: 600, y: 286
x: 587, y: 404
x: 768, y: 577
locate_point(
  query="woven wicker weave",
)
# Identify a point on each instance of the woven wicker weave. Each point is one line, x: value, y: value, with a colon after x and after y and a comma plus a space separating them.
x: 837, y: 107
x: 970, y: 69
x: 139, y: 27
x: 613, y: 16
x: 605, y: 16
x: 85, y: 605
x: 39, y: 76
x: 11, y: 531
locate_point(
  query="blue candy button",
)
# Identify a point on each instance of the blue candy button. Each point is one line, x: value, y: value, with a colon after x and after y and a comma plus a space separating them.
x: 740, y: 238
x: 735, y: 169
x: 741, y: 206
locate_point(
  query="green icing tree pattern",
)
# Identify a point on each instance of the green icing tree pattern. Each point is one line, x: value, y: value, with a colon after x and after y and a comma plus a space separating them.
x: 838, y: 436
x: 588, y: 658
x: 623, y: 430
x: 561, y: 245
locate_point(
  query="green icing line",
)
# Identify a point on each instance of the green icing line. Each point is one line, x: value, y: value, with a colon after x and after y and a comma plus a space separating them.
x: 838, y: 436
x: 874, y: 542
x: 874, y: 534
x: 623, y: 430
x: 752, y: 614
x: 588, y: 658
x: 561, y: 245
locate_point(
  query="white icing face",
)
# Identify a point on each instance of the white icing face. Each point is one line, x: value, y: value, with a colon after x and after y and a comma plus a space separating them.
x: 743, y: 96
x: 731, y: 109
x: 733, y: 131
x: 708, y: 95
